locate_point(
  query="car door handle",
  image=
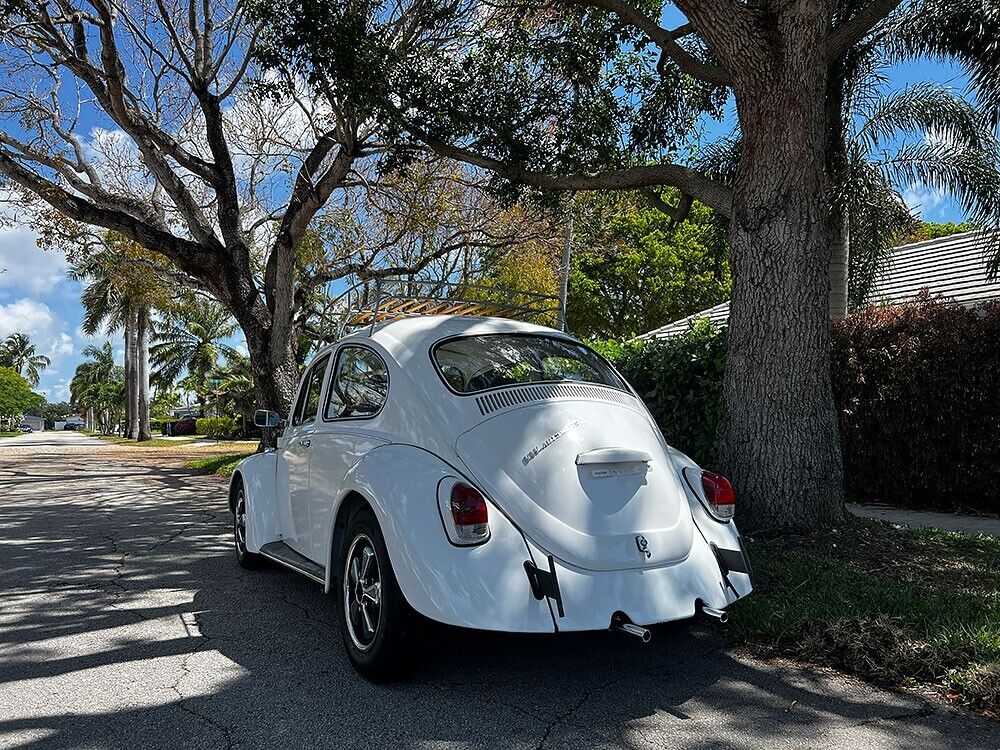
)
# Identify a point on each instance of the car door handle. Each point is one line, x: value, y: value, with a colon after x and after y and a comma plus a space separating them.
x: 305, y: 442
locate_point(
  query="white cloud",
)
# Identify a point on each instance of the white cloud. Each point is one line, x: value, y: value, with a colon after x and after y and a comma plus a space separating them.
x: 57, y: 392
x: 36, y: 319
x: 27, y: 316
x: 923, y: 201
x: 27, y: 269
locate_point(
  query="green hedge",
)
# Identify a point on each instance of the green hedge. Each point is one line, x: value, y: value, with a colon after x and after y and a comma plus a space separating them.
x: 218, y: 428
x: 917, y: 389
x: 680, y: 379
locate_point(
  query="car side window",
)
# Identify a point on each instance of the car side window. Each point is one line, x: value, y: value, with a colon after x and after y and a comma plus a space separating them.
x: 359, y: 386
x: 308, y: 405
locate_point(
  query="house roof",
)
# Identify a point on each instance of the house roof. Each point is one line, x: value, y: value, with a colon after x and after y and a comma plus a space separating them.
x: 718, y: 315
x: 954, y: 267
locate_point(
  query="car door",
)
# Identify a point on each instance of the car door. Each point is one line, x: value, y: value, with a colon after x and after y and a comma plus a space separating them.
x: 348, y: 429
x: 296, y: 454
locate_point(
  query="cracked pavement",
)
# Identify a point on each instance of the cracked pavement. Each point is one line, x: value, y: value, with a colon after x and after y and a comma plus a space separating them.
x: 125, y: 622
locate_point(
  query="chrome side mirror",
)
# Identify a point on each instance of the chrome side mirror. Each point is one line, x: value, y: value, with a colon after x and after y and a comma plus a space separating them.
x: 267, y: 419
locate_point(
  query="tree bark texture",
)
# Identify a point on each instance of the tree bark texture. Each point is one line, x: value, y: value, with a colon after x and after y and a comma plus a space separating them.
x: 840, y: 256
x: 131, y: 415
x: 142, y: 374
x: 778, y: 439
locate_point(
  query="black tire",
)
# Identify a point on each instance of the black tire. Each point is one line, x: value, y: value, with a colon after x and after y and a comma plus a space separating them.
x: 246, y: 560
x: 377, y: 645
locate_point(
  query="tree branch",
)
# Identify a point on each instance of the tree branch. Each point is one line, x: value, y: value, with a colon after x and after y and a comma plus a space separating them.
x: 665, y: 39
x: 187, y: 255
x: 713, y: 194
x: 858, y: 26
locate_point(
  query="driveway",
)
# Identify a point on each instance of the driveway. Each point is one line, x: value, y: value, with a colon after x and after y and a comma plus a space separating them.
x: 126, y: 623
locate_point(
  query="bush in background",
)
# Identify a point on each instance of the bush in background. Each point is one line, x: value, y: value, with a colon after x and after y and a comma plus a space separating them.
x: 918, y: 391
x: 217, y: 428
x: 680, y: 379
x: 917, y: 388
x: 184, y: 426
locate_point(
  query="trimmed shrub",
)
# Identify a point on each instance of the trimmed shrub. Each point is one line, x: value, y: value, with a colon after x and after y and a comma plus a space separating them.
x: 185, y: 426
x: 918, y: 389
x: 218, y: 428
x: 680, y: 379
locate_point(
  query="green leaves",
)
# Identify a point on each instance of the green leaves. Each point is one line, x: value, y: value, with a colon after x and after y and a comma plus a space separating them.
x: 964, y: 30
x: 680, y: 380
x: 634, y: 269
x: 191, y: 337
x: 18, y: 353
x: 16, y: 396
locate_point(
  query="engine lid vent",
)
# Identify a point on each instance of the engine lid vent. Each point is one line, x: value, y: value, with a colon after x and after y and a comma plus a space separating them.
x: 523, y: 394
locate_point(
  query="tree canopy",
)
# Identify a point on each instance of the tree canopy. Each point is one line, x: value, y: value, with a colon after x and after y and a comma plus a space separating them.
x: 16, y: 396
x: 635, y: 269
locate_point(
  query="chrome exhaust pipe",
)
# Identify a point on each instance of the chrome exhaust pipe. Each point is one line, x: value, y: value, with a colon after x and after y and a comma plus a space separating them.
x: 632, y: 629
x: 719, y: 614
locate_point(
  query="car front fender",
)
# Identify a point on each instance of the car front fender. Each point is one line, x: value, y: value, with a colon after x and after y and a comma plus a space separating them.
x: 257, y: 474
x: 484, y: 586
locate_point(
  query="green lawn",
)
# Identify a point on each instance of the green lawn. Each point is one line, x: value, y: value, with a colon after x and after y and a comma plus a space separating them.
x: 154, y: 443
x: 221, y: 465
x: 894, y: 606
x: 10, y: 434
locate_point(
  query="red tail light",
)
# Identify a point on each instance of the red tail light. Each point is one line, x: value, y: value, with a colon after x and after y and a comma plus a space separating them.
x: 469, y: 513
x: 468, y: 506
x: 719, y: 493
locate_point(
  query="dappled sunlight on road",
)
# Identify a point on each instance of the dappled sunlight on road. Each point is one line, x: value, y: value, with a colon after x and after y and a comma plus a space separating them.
x: 125, y: 622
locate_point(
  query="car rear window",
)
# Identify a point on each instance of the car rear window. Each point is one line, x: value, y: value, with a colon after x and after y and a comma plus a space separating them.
x: 470, y: 364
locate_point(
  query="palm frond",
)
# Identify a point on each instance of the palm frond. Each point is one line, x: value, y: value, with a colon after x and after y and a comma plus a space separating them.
x: 878, y: 220
x: 923, y: 108
x: 964, y: 30
x: 721, y: 159
x: 970, y: 175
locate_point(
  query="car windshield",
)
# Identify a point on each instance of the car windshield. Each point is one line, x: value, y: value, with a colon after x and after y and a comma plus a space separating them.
x: 476, y: 363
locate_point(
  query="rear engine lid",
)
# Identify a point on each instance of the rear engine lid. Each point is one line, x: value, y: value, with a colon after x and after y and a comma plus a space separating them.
x: 586, y: 480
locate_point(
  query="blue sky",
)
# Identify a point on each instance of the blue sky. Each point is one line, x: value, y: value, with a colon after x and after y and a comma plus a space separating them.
x: 38, y: 299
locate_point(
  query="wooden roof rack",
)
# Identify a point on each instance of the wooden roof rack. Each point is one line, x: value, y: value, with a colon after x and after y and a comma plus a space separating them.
x: 374, y: 302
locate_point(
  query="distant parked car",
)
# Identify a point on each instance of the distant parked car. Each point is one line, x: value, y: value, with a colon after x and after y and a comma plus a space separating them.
x: 25, y: 428
x: 71, y: 426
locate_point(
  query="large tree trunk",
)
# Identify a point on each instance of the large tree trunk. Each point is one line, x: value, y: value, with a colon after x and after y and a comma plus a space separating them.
x: 778, y: 437
x: 142, y: 374
x: 273, y: 361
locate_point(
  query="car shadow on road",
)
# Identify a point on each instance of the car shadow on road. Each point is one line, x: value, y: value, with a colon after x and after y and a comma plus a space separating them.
x: 125, y: 622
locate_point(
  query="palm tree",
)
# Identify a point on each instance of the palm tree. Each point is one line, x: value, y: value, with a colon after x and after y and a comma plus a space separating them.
x: 122, y: 284
x: 233, y: 390
x: 191, y: 337
x: 880, y: 143
x: 91, y: 384
x: 19, y: 353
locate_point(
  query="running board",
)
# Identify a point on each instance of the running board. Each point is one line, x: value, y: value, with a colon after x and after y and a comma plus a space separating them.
x: 283, y: 554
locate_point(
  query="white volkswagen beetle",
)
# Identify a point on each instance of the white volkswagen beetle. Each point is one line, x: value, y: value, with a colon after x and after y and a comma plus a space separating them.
x: 489, y: 474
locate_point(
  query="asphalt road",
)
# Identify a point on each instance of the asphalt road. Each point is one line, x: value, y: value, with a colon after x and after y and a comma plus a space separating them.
x: 126, y: 623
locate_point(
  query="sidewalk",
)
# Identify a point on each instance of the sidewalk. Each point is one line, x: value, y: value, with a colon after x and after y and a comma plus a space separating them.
x: 923, y: 519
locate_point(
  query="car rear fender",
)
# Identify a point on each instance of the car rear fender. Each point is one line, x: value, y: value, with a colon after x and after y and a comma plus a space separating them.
x: 722, y: 534
x: 483, y: 586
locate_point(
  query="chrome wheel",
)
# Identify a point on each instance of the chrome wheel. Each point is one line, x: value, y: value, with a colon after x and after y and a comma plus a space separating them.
x: 240, y: 524
x: 362, y: 584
